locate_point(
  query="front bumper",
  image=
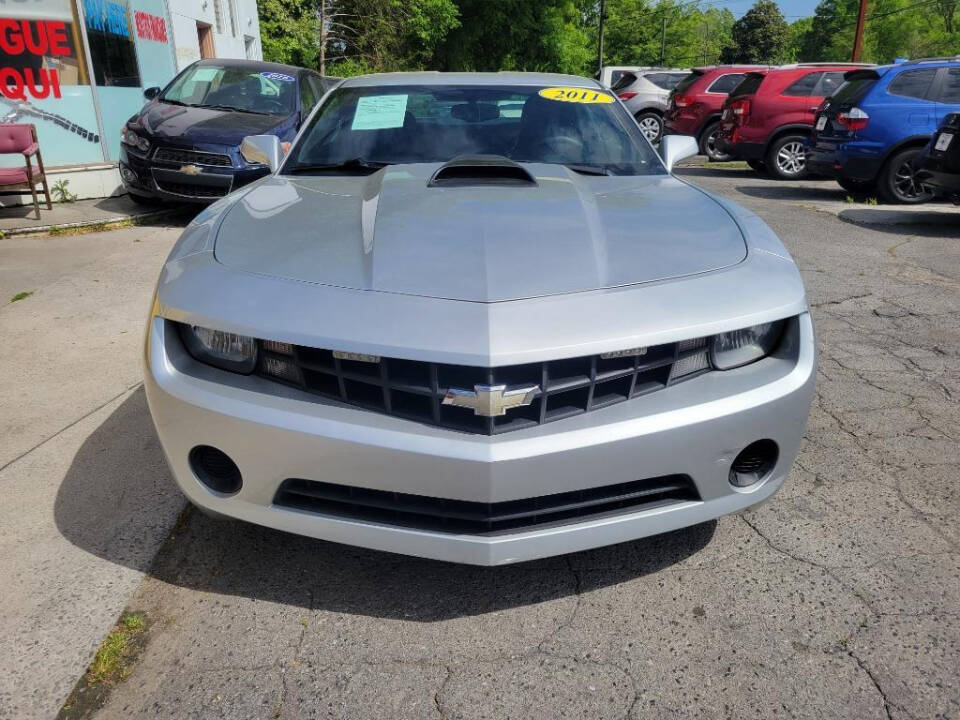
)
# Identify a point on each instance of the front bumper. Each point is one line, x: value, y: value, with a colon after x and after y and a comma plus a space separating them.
x: 273, y: 433
x: 164, y: 181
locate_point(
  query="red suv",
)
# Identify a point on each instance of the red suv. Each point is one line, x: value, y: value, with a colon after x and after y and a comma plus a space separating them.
x: 768, y: 118
x: 697, y: 101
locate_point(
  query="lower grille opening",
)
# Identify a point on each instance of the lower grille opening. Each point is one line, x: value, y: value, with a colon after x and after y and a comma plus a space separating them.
x: 477, y: 518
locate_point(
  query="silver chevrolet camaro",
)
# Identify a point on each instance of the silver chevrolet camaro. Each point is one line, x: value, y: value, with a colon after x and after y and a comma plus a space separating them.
x: 474, y: 317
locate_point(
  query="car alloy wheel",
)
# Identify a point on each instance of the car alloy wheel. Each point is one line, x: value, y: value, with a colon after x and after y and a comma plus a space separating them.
x: 792, y: 159
x: 709, y: 145
x: 905, y: 182
x: 651, y: 126
x: 899, y: 180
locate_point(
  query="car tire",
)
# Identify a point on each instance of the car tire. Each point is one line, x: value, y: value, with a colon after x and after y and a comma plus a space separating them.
x: 651, y: 125
x: 897, y: 181
x: 708, y: 144
x: 758, y: 166
x: 786, y: 158
x: 858, y: 187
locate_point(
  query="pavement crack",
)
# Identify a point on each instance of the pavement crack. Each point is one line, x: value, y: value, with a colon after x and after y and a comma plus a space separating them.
x: 437, y: 696
x: 66, y: 427
x: 876, y: 683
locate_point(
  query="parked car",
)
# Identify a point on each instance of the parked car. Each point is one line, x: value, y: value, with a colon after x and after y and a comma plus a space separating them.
x: 768, y: 118
x: 939, y: 165
x: 610, y: 74
x: 646, y: 94
x: 184, y: 145
x: 442, y: 332
x: 871, y: 133
x: 696, y: 103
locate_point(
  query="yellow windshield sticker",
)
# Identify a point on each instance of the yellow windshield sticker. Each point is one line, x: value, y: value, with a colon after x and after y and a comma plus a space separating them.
x: 576, y: 95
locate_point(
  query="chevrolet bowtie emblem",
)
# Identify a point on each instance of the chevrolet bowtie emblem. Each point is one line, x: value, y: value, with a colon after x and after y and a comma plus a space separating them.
x: 491, y: 400
x: 190, y: 170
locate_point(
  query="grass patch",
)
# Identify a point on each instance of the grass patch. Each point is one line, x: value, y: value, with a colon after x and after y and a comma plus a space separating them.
x: 21, y: 295
x: 95, y: 227
x: 112, y: 664
x: 113, y: 661
x: 728, y: 165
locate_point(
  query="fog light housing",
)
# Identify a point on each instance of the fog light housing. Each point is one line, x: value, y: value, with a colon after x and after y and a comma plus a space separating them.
x: 128, y: 175
x: 754, y: 463
x: 215, y: 469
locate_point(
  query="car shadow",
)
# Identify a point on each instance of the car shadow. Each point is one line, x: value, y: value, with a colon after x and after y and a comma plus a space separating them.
x: 108, y: 503
x: 707, y: 171
x: 776, y: 190
x: 924, y: 223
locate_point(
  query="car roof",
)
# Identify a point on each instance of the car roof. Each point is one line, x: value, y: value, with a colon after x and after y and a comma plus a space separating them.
x: 257, y: 64
x: 470, y: 78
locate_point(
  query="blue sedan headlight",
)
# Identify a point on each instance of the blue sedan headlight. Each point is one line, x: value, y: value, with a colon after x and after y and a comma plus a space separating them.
x: 228, y: 351
x: 129, y: 137
x: 741, y: 347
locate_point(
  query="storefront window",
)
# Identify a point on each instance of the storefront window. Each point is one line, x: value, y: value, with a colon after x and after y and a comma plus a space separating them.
x: 44, y: 80
x: 111, y: 43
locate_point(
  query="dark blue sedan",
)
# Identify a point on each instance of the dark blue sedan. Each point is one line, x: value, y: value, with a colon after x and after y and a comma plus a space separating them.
x: 184, y: 145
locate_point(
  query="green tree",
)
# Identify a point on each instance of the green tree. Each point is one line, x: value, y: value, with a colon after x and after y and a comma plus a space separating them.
x: 760, y: 36
x: 389, y: 35
x: 290, y: 31
x: 547, y: 35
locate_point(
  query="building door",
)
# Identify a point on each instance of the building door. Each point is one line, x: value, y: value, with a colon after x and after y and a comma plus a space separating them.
x: 205, y: 36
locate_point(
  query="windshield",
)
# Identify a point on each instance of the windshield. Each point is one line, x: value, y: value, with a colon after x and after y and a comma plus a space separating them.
x: 359, y: 129
x: 247, y: 89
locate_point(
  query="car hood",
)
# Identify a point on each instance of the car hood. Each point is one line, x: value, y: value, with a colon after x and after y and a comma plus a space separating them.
x: 390, y: 232
x: 195, y: 125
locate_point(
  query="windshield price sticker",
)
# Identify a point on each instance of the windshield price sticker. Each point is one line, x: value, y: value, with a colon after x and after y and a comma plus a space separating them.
x: 279, y: 77
x: 380, y: 112
x: 576, y: 95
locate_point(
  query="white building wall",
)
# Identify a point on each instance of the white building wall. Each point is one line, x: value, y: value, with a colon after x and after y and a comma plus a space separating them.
x: 185, y: 14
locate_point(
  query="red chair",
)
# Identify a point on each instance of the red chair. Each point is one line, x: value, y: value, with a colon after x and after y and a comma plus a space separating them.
x: 22, y: 139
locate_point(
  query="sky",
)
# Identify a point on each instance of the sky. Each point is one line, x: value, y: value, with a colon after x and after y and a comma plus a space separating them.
x: 792, y: 9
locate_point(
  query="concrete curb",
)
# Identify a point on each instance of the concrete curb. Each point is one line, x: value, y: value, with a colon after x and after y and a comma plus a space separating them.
x: 105, y: 224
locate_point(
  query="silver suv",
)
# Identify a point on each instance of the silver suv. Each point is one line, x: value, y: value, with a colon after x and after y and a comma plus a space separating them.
x: 646, y: 93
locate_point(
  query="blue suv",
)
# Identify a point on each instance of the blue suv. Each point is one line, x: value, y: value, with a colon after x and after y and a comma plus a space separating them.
x: 871, y: 133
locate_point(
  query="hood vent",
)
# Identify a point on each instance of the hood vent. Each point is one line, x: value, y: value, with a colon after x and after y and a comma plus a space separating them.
x: 475, y: 170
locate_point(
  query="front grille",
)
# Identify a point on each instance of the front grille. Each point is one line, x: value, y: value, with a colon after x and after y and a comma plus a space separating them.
x: 415, y: 390
x: 192, y: 191
x: 478, y: 518
x: 191, y: 157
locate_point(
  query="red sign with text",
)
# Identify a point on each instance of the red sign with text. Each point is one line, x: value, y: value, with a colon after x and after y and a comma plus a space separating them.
x: 150, y: 27
x: 38, y: 38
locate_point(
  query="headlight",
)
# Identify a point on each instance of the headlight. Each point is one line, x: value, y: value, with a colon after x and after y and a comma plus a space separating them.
x: 740, y: 347
x: 131, y: 138
x: 237, y: 353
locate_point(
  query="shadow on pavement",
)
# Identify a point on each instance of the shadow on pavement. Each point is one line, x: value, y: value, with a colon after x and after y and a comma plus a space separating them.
x: 119, y: 478
x: 775, y: 190
x: 707, y: 171
x: 926, y: 223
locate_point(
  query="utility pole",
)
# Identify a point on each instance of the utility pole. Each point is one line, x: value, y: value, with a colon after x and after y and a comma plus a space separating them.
x: 599, y: 39
x: 663, y: 41
x: 858, y: 38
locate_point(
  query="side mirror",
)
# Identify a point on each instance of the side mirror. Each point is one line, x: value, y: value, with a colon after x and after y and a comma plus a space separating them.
x: 151, y: 92
x: 674, y: 148
x: 263, y: 149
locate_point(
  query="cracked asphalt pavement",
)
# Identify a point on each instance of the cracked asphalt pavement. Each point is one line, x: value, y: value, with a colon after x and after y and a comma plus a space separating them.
x: 836, y: 599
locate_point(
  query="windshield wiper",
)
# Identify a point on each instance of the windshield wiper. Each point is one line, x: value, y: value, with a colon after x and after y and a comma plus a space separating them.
x: 357, y: 163
x: 231, y: 108
x: 175, y: 102
x: 588, y: 169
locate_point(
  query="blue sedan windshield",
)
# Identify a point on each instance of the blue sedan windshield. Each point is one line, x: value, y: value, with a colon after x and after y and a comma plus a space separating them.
x: 365, y: 127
